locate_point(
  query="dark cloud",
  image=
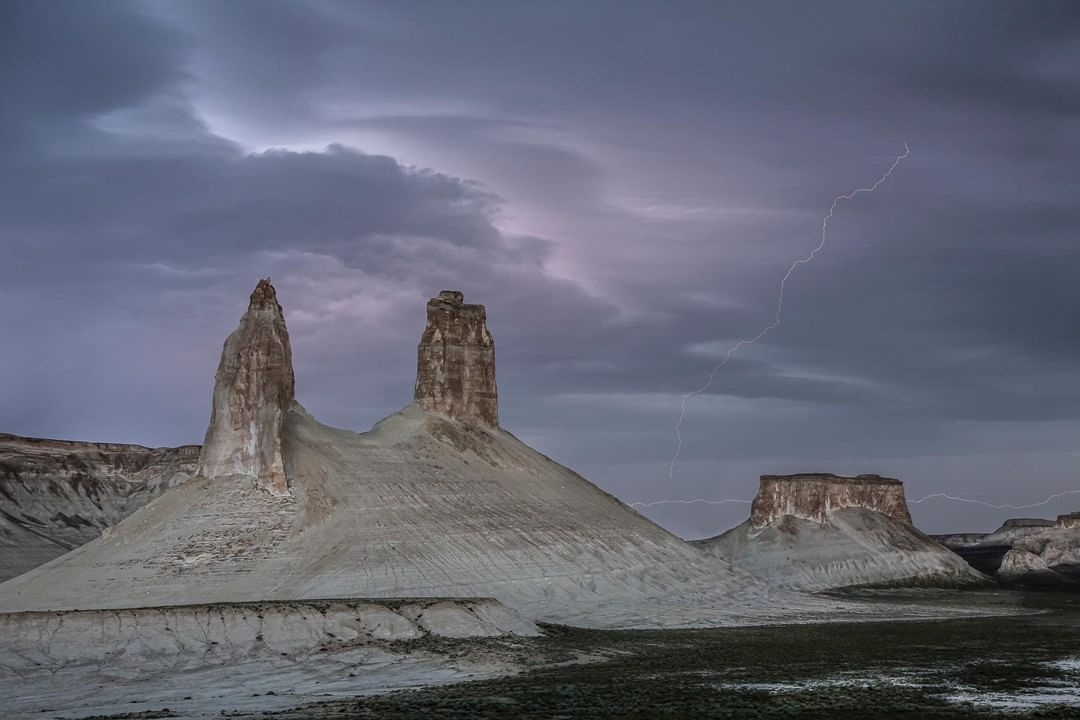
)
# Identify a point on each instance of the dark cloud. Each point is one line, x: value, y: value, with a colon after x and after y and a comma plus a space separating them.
x: 621, y: 184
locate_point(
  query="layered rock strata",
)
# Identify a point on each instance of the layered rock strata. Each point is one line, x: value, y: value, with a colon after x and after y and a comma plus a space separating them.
x: 455, y: 369
x: 813, y: 496
x: 253, y: 390
x: 1068, y: 522
x: 56, y: 495
x: 822, y: 532
x: 1025, y: 551
x: 212, y: 660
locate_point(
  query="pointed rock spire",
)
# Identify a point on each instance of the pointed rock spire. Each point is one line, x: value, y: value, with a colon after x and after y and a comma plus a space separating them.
x: 253, y: 390
x: 455, y: 369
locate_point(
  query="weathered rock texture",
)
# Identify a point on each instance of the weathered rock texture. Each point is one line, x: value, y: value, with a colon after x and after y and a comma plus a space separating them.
x: 253, y: 390
x: 1025, y: 551
x: 455, y: 373
x: 1070, y: 521
x: 56, y: 495
x: 812, y: 496
x: 1025, y: 567
x: 822, y: 532
x: 209, y: 660
x: 1021, y: 523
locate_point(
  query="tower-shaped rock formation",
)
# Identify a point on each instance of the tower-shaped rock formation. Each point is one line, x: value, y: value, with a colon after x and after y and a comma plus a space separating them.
x: 455, y: 369
x: 253, y: 389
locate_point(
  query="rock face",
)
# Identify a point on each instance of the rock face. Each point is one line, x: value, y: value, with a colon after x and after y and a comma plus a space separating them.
x: 821, y: 532
x: 1069, y: 522
x: 1024, y: 567
x: 1025, y: 551
x: 253, y: 390
x: 56, y: 495
x: 212, y: 660
x: 813, y: 496
x: 429, y: 503
x: 1015, y: 524
x: 455, y: 369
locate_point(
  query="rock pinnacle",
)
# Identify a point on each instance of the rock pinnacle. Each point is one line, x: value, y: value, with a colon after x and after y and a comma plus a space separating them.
x: 455, y: 369
x: 253, y: 390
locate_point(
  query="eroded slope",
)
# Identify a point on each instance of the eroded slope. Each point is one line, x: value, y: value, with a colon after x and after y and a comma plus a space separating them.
x: 56, y: 495
x: 820, y: 532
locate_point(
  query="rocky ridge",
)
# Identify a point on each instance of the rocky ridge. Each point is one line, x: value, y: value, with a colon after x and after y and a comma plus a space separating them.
x: 1025, y: 551
x: 56, y: 495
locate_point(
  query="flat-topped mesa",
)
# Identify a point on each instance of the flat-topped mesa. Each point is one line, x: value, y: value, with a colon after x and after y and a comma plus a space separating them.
x: 1070, y: 520
x: 1016, y: 523
x: 812, y: 496
x: 253, y: 390
x: 455, y: 367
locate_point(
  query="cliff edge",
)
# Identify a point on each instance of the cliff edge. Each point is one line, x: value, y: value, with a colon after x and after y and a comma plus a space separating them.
x: 813, y: 496
x: 56, y: 495
x: 1025, y: 551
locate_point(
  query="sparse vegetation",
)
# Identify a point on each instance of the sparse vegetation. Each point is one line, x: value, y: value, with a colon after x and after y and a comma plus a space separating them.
x: 848, y: 671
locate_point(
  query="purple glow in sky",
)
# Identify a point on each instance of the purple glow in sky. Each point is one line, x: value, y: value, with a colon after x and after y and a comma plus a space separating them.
x: 620, y: 183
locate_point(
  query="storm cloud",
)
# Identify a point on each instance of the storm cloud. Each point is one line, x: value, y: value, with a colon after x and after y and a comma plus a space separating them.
x: 623, y: 185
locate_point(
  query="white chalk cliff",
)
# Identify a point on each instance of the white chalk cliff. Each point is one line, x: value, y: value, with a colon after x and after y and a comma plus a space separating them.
x: 434, y: 501
x: 1025, y: 551
x: 56, y: 495
x: 817, y: 532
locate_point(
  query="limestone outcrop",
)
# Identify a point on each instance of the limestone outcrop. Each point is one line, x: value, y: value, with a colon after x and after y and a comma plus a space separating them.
x: 1025, y: 551
x: 56, y: 495
x: 253, y: 390
x: 822, y: 532
x: 1069, y: 521
x: 813, y: 496
x: 455, y: 369
x: 202, y: 661
x: 1020, y: 566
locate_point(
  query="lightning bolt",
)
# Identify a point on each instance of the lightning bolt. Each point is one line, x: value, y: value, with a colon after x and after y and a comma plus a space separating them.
x: 775, y: 324
x: 1006, y: 506
x: 932, y: 496
x: 779, y: 303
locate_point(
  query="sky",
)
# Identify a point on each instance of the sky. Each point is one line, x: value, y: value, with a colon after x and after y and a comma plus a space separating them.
x: 622, y: 184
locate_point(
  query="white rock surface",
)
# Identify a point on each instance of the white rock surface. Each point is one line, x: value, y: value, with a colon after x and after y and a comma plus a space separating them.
x: 198, y: 660
x: 1026, y: 550
x: 1019, y: 564
x: 420, y: 506
x: 1051, y: 555
x: 854, y: 547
